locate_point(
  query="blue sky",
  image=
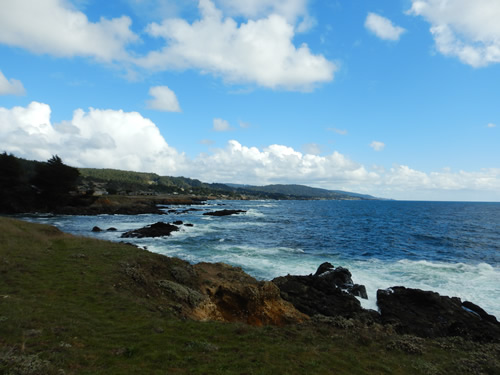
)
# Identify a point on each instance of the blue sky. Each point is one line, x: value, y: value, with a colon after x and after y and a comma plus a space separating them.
x: 394, y: 98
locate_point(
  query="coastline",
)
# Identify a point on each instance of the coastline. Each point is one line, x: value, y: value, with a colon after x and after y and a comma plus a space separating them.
x: 75, y: 292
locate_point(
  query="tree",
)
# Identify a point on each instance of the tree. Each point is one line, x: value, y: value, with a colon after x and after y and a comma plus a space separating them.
x: 12, y: 187
x: 55, y: 180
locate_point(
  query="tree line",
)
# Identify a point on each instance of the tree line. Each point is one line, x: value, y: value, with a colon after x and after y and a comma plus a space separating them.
x: 27, y: 186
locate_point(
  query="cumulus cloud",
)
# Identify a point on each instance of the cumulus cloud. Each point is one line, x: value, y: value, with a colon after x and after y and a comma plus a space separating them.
x: 294, y: 11
x: 468, y: 30
x: 10, y: 87
x: 276, y: 164
x: 53, y: 27
x: 93, y: 138
x: 126, y: 140
x: 377, y: 146
x: 403, y: 182
x: 290, y: 9
x: 383, y: 27
x: 312, y: 148
x: 164, y: 99
x: 221, y: 125
x: 258, y: 51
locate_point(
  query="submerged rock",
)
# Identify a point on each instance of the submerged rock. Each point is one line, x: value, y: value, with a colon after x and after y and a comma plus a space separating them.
x: 159, y: 229
x: 224, y: 212
x: 428, y: 314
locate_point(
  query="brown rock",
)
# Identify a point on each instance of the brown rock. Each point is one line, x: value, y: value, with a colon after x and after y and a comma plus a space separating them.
x: 239, y: 297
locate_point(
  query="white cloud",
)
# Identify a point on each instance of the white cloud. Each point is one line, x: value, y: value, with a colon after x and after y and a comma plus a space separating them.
x: 491, y: 125
x: 294, y: 11
x: 10, y: 87
x: 377, y: 146
x: 259, y: 51
x: 126, y: 140
x: 277, y: 164
x: 466, y: 29
x: 312, y: 148
x: 164, y: 99
x: 53, y: 27
x: 403, y: 182
x: 383, y: 27
x: 221, y: 125
x: 290, y: 9
x: 96, y: 138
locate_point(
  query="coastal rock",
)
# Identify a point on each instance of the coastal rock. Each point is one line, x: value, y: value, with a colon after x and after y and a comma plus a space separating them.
x: 181, y: 292
x: 224, y: 212
x: 239, y: 297
x: 327, y: 292
x: 428, y: 314
x: 159, y: 229
x: 207, y: 291
x: 96, y: 229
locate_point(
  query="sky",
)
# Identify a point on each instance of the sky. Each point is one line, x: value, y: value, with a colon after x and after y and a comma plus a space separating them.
x: 394, y: 98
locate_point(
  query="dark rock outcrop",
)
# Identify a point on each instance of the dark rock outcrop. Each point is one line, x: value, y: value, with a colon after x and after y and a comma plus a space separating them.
x: 327, y: 292
x: 96, y: 229
x: 159, y: 229
x: 428, y: 314
x: 224, y: 212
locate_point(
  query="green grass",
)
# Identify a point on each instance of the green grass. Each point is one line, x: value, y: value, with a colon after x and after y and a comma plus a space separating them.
x: 68, y: 307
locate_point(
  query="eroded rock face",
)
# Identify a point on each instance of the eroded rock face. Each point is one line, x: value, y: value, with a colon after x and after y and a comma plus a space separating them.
x: 328, y: 292
x: 208, y: 291
x: 239, y: 297
x: 428, y: 314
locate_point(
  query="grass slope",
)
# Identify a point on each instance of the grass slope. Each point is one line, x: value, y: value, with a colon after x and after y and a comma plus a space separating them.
x: 68, y: 307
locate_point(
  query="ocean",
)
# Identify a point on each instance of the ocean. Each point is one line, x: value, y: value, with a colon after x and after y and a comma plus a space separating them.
x: 452, y: 248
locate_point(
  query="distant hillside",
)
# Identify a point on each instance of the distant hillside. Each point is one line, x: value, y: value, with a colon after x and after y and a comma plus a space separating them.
x: 94, y: 181
x: 303, y: 192
x: 118, y: 181
x: 115, y: 181
x: 123, y: 182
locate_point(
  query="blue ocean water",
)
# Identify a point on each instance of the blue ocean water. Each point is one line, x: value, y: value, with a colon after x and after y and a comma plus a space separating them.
x: 450, y: 247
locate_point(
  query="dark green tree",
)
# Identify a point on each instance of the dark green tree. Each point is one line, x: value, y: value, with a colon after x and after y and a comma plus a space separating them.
x: 12, y: 187
x: 54, y: 181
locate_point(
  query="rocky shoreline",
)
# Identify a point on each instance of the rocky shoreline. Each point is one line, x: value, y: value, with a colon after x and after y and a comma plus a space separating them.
x: 134, y: 311
x: 220, y: 292
x: 208, y: 291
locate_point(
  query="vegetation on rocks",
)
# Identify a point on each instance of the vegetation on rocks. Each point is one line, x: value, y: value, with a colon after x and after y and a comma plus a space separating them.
x: 72, y: 305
